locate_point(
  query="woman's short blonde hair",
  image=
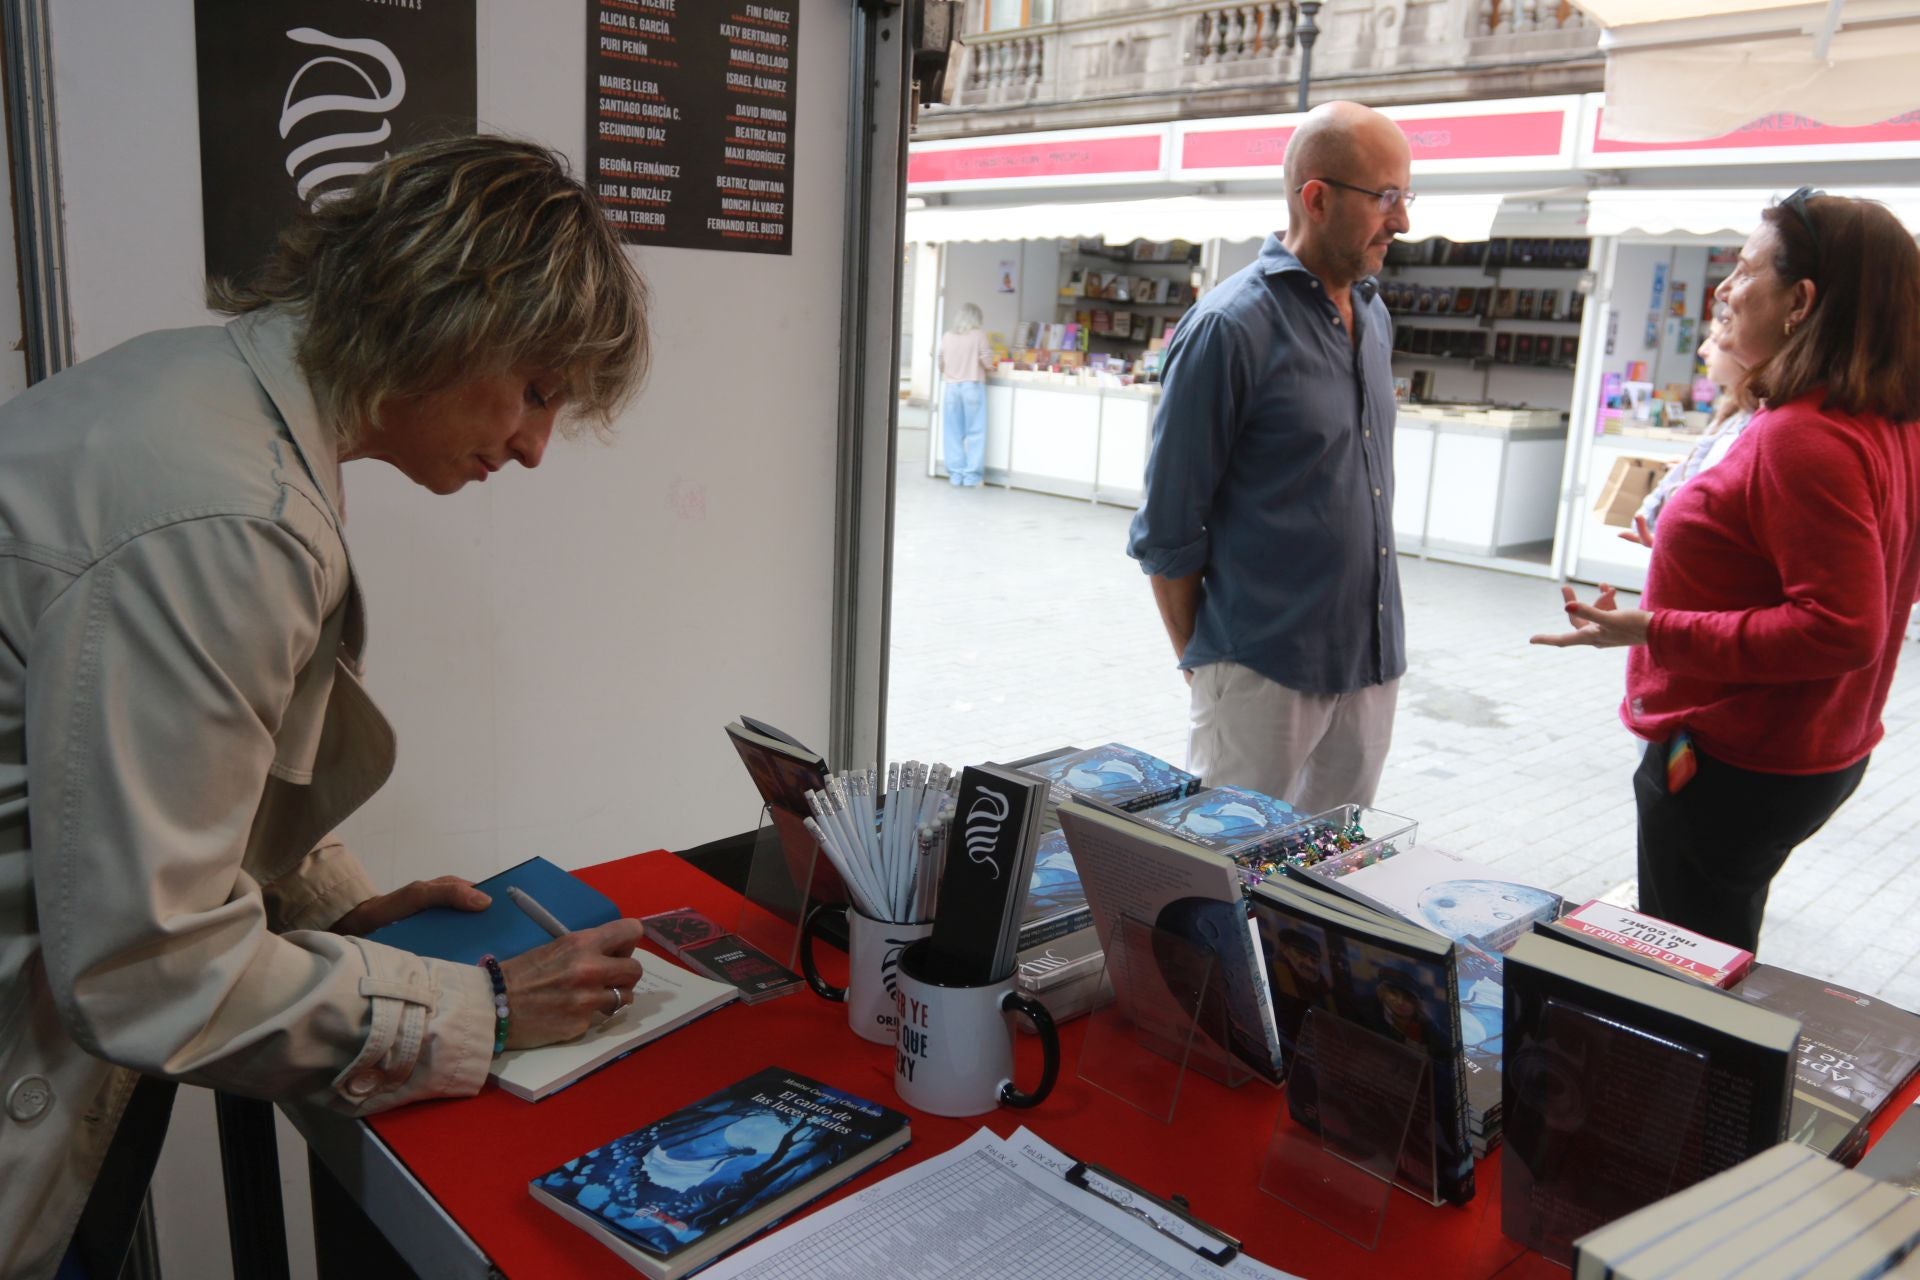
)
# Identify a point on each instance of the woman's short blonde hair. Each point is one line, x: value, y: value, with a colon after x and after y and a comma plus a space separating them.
x: 450, y: 260
x: 967, y: 319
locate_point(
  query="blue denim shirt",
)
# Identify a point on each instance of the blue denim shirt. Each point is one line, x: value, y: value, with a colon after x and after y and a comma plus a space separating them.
x: 1272, y: 470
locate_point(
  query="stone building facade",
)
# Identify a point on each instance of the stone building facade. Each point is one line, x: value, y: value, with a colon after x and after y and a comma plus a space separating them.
x: 1026, y: 65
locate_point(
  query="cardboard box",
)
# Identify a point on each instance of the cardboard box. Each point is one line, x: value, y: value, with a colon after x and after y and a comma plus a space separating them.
x: 1627, y: 486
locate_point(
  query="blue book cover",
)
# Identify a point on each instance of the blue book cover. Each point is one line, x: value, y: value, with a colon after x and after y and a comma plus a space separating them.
x: 1224, y: 819
x: 1056, y: 899
x: 1122, y: 776
x: 676, y: 1193
x: 503, y: 929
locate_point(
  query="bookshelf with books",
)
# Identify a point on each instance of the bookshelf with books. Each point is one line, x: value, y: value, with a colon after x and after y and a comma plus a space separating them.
x: 1126, y: 299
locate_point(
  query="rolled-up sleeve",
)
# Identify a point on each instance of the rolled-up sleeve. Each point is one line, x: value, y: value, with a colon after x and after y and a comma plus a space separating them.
x: 1203, y: 395
x: 157, y: 681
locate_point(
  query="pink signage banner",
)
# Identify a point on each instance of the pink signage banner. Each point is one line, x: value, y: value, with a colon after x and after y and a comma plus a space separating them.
x: 1122, y: 156
x: 1505, y: 136
x: 1782, y: 129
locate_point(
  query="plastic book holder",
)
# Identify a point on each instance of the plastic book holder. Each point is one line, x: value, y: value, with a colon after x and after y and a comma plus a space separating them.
x: 785, y: 877
x: 1357, y: 1123
x: 1167, y: 1014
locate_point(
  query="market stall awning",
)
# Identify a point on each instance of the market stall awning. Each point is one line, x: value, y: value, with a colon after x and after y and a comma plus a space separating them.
x: 1690, y: 69
x: 1190, y: 218
x: 1731, y: 211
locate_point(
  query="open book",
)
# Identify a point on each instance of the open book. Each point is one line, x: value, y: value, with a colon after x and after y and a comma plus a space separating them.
x: 668, y: 997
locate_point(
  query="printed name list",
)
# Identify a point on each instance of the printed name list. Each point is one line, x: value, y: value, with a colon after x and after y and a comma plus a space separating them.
x: 690, y: 121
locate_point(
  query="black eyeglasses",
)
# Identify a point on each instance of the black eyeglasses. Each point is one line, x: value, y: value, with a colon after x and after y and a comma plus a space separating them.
x: 1798, y: 203
x: 1388, y: 198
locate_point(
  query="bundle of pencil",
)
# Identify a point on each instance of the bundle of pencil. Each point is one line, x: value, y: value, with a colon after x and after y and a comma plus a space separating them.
x: 887, y: 844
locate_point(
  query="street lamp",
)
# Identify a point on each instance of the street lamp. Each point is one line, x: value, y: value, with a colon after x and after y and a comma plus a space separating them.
x: 1307, y: 34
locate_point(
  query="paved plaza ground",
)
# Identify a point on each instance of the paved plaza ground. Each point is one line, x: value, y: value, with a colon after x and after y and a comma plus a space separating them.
x: 1019, y: 624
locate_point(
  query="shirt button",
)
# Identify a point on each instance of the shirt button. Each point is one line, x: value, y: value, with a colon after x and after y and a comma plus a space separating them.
x: 1383, y: 551
x: 1367, y: 432
x: 1376, y: 493
x: 29, y: 1098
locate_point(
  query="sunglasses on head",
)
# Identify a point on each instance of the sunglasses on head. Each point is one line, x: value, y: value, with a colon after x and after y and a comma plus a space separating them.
x: 1798, y: 203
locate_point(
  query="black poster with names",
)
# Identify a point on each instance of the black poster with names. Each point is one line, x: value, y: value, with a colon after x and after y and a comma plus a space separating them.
x: 690, y: 108
x: 298, y: 97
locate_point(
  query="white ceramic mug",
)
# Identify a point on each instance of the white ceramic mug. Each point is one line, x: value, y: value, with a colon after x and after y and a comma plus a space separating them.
x: 873, y: 948
x: 954, y: 1056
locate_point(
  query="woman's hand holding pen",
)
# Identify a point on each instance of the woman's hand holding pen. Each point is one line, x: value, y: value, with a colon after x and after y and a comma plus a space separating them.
x: 558, y: 991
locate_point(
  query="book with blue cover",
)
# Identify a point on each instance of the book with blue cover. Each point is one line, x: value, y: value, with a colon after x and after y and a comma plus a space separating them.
x: 1056, y: 898
x: 1227, y: 820
x: 502, y: 930
x: 1122, y: 776
x: 672, y: 1196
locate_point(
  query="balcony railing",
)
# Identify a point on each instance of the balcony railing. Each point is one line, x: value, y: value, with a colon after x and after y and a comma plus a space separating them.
x: 1105, y: 49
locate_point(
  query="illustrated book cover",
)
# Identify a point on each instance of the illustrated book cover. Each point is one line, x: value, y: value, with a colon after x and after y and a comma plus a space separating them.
x: 1190, y: 893
x: 1122, y: 776
x: 672, y: 1196
x: 1228, y: 820
x: 502, y: 930
x: 1855, y: 1053
x: 1621, y: 1085
x: 1327, y: 955
x: 1056, y: 902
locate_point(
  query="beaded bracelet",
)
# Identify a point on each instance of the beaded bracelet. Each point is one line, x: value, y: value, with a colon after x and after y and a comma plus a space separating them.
x: 499, y: 1003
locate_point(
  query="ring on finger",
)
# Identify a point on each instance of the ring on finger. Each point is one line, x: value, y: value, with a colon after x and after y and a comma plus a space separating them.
x: 619, y: 1001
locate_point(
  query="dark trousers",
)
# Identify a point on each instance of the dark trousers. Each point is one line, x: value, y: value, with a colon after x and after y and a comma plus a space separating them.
x: 1709, y: 854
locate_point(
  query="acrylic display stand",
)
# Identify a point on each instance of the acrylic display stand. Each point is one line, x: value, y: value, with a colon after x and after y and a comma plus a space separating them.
x: 1166, y: 1015
x: 786, y: 876
x: 1597, y: 1121
x: 1356, y: 1124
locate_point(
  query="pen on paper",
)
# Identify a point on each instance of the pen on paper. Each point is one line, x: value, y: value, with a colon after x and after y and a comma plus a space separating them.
x: 537, y: 913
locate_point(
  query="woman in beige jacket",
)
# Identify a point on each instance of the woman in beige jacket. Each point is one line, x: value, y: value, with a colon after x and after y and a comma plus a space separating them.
x: 181, y: 719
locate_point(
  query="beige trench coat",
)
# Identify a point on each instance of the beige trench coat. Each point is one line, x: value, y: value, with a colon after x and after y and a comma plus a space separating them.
x: 181, y: 726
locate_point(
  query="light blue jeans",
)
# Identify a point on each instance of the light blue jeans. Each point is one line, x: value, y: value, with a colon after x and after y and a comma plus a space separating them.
x: 963, y: 420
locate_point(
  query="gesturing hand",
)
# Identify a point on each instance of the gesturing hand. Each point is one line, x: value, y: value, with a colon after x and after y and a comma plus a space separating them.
x: 1641, y: 532
x: 444, y: 891
x: 557, y: 991
x: 1602, y: 624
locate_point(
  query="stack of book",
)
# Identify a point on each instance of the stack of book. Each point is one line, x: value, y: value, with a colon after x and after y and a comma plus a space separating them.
x: 1782, y: 1213
x: 1621, y: 1085
x: 1115, y: 774
x: 1485, y: 912
x: 1237, y: 823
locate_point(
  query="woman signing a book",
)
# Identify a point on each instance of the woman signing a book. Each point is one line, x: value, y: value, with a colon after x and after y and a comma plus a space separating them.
x: 1782, y: 578
x: 182, y: 722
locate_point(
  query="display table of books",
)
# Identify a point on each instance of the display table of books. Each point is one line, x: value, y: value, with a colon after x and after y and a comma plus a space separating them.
x: 474, y: 1158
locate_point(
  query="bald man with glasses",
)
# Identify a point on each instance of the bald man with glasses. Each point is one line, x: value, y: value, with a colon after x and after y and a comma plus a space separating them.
x: 1267, y: 529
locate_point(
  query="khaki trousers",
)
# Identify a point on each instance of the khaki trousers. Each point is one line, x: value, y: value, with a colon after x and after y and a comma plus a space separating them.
x: 1315, y: 751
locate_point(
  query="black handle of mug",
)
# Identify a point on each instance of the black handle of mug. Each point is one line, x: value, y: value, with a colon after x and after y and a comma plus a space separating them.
x: 820, y: 985
x: 1014, y: 1002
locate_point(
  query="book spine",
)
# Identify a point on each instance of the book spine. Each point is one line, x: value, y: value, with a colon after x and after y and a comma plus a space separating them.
x: 1039, y: 931
x: 1458, y: 1189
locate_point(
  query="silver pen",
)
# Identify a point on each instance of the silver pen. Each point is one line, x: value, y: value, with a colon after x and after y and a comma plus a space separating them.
x: 535, y: 912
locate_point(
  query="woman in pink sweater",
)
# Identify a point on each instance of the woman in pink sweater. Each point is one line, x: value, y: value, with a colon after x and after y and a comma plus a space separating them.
x: 1781, y: 580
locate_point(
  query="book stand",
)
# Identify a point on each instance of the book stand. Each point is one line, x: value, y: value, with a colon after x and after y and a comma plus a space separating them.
x: 1358, y: 1122
x: 785, y: 877
x: 1597, y: 1119
x: 1166, y: 1015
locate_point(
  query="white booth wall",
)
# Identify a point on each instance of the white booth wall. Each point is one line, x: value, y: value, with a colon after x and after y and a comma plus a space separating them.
x: 557, y: 650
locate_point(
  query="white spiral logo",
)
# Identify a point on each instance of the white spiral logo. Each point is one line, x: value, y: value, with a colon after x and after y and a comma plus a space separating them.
x: 984, y: 816
x: 375, y: 103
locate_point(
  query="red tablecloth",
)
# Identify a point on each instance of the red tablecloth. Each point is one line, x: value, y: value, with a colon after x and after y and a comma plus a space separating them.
x: 476, y: 1155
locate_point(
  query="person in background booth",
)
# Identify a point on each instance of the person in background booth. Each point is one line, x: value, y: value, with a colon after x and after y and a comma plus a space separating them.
x: 966, y: 359
x: 181, y: 717
x: 1731, y: 414
x: 1781, y: 579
